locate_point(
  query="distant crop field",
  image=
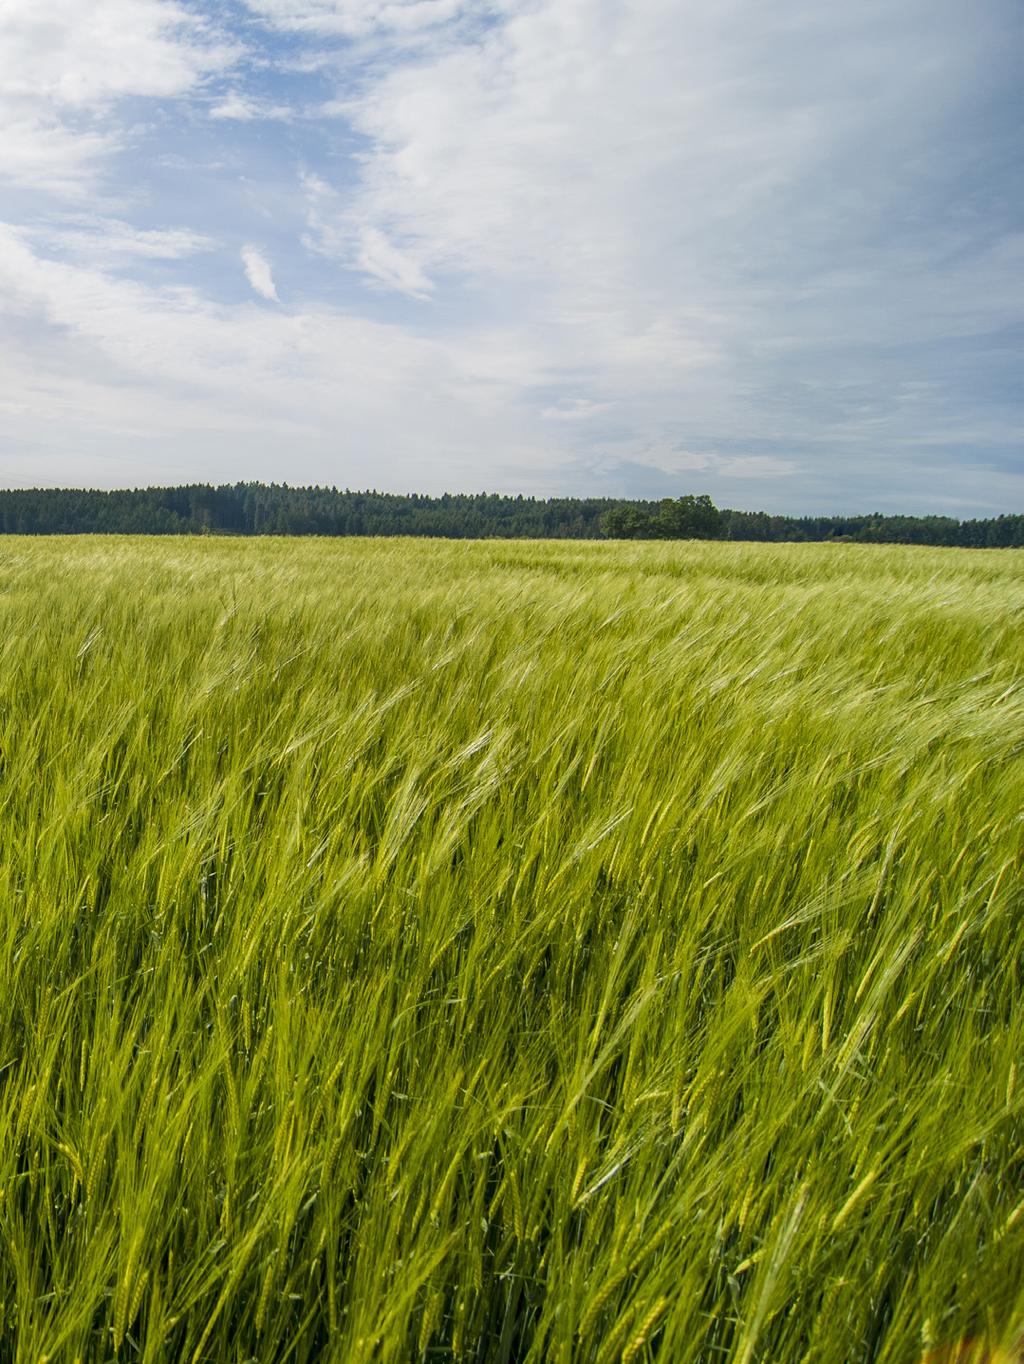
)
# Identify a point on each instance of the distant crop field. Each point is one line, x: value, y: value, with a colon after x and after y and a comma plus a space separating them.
x: 510, y: 952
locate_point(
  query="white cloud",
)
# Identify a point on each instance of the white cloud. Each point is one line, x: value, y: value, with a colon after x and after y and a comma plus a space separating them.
x: 680, y: 462
x: 97, y: 239
x: 356, y: 18
x: 77, y: 56
x: 575, y: 410
x: 396, y: 269
x: 240, y: 109
x: 38, y: 151
x: 257, y: 272
x: 63, y: 61
x: 686, y: 210
x: 332, y: 232
x: 195, y: 387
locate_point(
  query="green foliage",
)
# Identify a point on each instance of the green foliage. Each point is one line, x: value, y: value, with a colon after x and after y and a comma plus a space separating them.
x: 686, y: 518
x: 277, y: 509
x: 509, y: 952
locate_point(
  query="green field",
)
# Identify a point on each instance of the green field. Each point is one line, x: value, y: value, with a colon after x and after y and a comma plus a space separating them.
x: 509, y: 951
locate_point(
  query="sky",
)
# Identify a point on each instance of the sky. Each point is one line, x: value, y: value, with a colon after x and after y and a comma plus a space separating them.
x: 769, y: 252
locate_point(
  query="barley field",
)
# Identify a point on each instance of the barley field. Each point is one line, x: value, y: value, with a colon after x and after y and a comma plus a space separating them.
x: 418, y: 950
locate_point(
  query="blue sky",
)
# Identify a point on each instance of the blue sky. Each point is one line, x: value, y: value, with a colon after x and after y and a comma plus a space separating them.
x: 770, y: 252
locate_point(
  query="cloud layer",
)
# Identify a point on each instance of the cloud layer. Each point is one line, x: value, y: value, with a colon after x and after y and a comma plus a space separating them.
x: 766, y: 252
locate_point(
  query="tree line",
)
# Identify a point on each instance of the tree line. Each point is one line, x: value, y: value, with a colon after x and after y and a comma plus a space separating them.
x: 278, y: 509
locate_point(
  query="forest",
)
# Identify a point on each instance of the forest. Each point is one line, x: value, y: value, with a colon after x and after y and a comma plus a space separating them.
x: 278, y: 509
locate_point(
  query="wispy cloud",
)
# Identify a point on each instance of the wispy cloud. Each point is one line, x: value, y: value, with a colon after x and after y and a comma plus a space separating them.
x: 241, y: 109
x: 258, y: 273
x: 382, y: 260
x: 355, y: 18
x: 575, y: 410
x: 95, y: 238
x: 681, y: 462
